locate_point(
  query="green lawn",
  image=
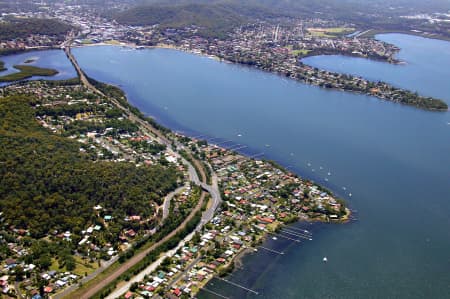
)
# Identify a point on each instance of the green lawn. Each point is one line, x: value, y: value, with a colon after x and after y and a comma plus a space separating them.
x: 83, y: 266
x: 330, y: 32
x: 27, y: 71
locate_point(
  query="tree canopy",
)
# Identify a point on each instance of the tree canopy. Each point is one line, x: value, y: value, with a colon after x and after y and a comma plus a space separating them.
x: 47, y: 184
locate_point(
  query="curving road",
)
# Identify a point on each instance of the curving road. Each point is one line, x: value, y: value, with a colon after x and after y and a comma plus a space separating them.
x: 206, y: 216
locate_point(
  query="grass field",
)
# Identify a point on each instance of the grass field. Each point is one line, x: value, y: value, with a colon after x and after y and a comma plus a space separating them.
x: 27, y: 71
x: 83, y: 266
x: 330, y: 32
x: 113, y: 42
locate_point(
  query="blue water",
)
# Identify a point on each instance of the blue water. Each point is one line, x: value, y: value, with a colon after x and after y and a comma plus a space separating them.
x: 53, y: 59
x: 394, y: 159
x: 425, y: 69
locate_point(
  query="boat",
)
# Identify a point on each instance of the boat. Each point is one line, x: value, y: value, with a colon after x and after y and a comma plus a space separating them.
x: 325, y: 259
x: 275, y: 238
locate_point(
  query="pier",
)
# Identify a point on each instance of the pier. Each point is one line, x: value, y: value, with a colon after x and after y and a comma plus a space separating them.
x: 237, y: 285
x: 306, y: 237
x: 214, y: 293
x: 271, y: 250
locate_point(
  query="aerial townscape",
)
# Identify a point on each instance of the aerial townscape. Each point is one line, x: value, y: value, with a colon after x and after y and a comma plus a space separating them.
x: 100, y: 200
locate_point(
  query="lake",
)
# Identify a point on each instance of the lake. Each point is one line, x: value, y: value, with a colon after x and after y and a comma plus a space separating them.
x: 394, y: 159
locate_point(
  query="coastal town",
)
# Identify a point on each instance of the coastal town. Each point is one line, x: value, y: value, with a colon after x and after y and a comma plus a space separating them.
x: 259, y: 197
x: 153, y: 213
x: 273, y: 47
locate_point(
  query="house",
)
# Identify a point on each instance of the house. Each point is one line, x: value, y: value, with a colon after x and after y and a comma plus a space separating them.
x: 11, y: 263
x: 177, y: 292
x: 128, y: 295
x: 130, y: 233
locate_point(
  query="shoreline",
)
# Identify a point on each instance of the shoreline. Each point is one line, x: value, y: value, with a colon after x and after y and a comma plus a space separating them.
x: 237, y: 259
x: 372, y: 33
x: 378, y: 95
x: 379, y: 92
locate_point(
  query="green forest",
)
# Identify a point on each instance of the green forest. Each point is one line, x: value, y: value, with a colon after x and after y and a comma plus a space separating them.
x: 214, y: 19
x: 46, y: 184
x: 22, y: 27
x: 217, y: 17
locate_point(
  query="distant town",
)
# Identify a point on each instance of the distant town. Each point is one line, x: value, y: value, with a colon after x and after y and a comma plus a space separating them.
x: 273, y: 47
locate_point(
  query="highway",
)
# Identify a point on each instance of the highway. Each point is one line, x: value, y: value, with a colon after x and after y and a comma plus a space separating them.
x: 206, y: 216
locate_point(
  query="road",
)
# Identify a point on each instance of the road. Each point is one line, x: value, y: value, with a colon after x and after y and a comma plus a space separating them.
x: 206, y: 216
x: 167, y: 199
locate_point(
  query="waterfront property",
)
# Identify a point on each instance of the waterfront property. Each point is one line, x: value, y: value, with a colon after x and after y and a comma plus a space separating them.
x: 382, y: 153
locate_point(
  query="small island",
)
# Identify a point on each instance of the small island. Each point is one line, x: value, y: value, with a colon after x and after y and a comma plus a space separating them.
x: 29, y: 60
x: 27, y: 71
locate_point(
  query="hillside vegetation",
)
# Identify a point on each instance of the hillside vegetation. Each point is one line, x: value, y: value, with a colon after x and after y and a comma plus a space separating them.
x: 218, y: 16
x: 215, y: 18
x: 22, y: 27
x: 46, y: 184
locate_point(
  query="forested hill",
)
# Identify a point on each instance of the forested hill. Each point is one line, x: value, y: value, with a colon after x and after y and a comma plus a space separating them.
x: 221, y: 15
x: 22, y: 27
x: 213, y: 17
x: 47, y: 184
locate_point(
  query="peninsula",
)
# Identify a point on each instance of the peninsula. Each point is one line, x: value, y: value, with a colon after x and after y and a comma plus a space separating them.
x: 256, y: 36
x: 113, y: 240
x: 100, y: 201
x: 27, y: 71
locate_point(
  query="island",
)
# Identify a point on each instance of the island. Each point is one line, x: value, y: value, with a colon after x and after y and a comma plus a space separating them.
x: 26, y: 72
x: 2, y: 66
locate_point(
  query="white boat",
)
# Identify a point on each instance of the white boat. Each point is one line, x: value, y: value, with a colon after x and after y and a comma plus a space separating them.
x: 325, y: 259
x: 275, y: 238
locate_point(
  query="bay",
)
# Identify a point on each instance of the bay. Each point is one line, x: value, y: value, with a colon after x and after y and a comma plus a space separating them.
x: 394, y: 159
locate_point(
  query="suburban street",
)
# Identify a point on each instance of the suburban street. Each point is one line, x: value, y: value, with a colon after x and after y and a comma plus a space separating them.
x: 207, y: 215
